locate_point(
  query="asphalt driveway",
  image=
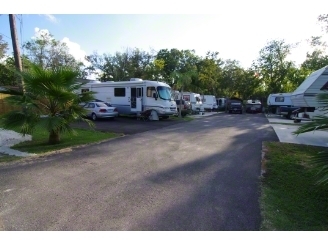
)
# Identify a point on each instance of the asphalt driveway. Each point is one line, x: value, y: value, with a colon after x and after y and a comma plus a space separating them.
x: 129, y: 125
x: 191, y: 176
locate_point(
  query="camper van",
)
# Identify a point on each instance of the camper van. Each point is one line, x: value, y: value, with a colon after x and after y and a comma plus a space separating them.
x: 135, y: 96
x: 276, y: 100
x: 194, y: 98
x: 209, y: 102
x: 305, y: 95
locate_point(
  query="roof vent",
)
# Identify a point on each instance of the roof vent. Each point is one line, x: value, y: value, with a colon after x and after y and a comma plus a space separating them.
x: 135, y: 79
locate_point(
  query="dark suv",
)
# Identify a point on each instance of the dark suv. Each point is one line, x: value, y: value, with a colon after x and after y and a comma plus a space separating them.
x: 185, y: 107
x: 235, y: 107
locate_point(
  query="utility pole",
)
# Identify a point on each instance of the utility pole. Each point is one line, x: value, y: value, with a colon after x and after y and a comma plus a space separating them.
x: 18, y: 61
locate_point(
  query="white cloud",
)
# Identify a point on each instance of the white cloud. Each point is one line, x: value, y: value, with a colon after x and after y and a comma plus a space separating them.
x: 51, y: 18
x: 73, y: 48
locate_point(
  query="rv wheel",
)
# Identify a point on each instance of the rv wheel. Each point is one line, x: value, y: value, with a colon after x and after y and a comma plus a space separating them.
x: 94, y: 116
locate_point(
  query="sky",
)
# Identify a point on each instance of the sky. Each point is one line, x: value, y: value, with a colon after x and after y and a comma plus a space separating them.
x: 236, y: 29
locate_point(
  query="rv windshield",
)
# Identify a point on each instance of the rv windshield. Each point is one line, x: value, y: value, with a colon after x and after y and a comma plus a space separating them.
x: 164, y: 92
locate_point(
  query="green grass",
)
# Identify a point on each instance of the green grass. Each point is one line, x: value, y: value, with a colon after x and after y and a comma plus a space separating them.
x: 185, y: 118
x: 39, y: 143
x: 290, y: 199
x: 8, y: 158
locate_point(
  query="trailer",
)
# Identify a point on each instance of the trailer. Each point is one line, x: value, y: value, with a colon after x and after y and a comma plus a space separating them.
x: 135, y: 96
x: 276, y: 100
x: 209, y: 102
x: 305, y: 96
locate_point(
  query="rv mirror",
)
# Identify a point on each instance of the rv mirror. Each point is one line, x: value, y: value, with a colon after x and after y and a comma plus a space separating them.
x: 154, y: 95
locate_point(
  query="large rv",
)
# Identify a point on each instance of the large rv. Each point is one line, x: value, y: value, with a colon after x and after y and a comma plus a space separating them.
x: 305, y: 95
x: 135, y: 96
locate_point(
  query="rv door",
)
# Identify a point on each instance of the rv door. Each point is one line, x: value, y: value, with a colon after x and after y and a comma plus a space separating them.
x: 136, y: 99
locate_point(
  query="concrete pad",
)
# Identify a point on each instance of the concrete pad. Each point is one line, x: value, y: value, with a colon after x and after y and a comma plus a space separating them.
x: 285, y: 130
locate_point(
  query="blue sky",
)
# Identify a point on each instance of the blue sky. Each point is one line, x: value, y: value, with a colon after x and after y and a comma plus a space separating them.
x: 236, y: 29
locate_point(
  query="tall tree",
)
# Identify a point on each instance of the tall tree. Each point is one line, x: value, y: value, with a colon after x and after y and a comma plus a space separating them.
x: 50, y: 92
x: 273, y: 66
x: 49, y: 53
x: 209, y: 73
x: 3, y: 47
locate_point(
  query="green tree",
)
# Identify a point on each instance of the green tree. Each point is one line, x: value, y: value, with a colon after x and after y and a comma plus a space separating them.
x: 7, y: 71
x: 209, y: 72
x: 324, y: 21
x: 123, y: 65
x: 182, y: 81
x: 50, y: 53
x: 49, y: 92
x: 3, y: 47
x: 319, y: 122
x: 273, y: 66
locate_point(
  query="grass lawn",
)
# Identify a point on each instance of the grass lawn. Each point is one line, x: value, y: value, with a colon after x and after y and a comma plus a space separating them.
x: 290, y: 199
x: 40, y: 137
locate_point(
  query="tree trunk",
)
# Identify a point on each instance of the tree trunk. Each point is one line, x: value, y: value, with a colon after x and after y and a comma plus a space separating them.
x: 54, y: 137
x: 180, y: 105
x: 14, y: 39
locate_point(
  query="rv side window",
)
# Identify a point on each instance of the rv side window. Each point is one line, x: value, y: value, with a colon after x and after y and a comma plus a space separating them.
x: 150, y: 91
x: 279, y: 99
x: 119, y: 92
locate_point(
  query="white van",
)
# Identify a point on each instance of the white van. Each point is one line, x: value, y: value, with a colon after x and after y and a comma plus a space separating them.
x: 209, y: 102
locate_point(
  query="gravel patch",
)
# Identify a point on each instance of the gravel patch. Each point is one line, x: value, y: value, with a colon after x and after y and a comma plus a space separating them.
x: 9, y: 138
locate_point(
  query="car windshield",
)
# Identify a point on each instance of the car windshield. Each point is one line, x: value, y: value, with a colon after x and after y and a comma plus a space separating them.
x: 164, y: 92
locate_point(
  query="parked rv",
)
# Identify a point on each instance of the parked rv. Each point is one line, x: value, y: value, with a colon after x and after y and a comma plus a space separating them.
x: 135, y: 96
x: 304, y: 96
x: 209, y: 102
x: 194, y: 98
x: 276, y: 100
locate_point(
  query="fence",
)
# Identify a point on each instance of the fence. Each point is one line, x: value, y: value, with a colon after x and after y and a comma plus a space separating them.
x: 5, y: 107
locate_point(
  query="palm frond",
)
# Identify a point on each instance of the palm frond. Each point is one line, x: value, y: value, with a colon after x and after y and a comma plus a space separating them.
x: 320, y: 162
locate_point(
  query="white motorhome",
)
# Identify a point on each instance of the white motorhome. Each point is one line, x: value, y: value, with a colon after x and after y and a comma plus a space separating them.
x: 276, y: 100
x: 135, y: 96
x: 194, y: 99
x: 305, y: 95
x: 209, y: 102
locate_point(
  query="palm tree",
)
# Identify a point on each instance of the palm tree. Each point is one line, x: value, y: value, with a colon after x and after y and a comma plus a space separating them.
x: 319, y: 122
x: 50, y: 101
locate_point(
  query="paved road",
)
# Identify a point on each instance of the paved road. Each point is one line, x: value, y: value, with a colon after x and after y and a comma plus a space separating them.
x: 128, y: 125
x: 198, y: 175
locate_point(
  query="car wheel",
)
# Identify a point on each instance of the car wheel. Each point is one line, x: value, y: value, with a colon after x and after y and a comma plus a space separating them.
x: 94, y: 116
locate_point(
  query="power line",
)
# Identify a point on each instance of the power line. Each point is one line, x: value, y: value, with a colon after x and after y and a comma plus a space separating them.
x: 5, y: 36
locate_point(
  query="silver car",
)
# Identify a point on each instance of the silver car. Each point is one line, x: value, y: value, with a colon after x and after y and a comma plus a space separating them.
x: 100, y: 110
